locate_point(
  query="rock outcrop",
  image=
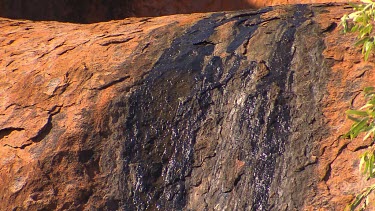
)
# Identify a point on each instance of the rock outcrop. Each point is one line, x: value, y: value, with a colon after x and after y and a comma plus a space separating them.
x: 88, y: 11
x: 218, y: 111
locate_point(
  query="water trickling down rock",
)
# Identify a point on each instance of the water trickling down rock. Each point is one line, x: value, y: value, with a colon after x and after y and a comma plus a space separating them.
x: 219, y: 111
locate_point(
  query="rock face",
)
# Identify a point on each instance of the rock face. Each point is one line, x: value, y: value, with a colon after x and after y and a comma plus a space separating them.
x: 218, y: 111
x: 88, y: 11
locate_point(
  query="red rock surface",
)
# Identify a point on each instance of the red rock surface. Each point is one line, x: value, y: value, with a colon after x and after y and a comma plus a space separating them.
x: 165, y: 7
x: 62, y: 71
x: 339, y: 158
x: 259, y: 3
x: 58, y: 80
x: 88, y: 11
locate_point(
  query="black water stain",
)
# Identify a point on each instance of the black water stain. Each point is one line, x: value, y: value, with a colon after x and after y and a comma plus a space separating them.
x: 158, y: 125
x: 165, y: 113
x: 266, y: 149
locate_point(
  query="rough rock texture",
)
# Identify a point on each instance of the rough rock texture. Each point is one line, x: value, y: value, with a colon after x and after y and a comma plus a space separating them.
x: 222, y: 111
x: 89, y: 11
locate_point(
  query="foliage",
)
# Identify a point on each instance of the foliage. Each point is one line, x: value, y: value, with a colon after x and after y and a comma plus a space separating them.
x: 358, y: 199
x: 361, y: 22
x: 364, y: 117
x: 364, y: 122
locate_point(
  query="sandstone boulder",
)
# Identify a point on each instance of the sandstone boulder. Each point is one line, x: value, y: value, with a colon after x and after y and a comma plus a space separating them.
x: 217, y: 111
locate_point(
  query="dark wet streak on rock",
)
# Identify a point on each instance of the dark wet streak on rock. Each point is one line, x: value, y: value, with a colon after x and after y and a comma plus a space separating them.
x: 270, y: 124
x: 185, y: 96
x: 177, y: 93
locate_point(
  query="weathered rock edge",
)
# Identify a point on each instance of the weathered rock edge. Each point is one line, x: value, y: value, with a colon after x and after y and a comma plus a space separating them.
x: 221, y: 111
x: 87, y: 11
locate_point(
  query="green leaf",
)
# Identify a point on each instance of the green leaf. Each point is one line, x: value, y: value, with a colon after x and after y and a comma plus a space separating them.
x: 360, y: 22
x: 371, y: 166
x: 367, y: 54
x: 362, y: 165
x: 368, y: 6
x: 357, y: 128
x: 369, y: 45
x: 357, y: 18
x: 367, y: 48
x: 371, y: 102
x: 371, y: 131
x: 354, y: 119
x: 371, y: 114
x: 366, y: 161
x: 358, y: 199
x: 370, y: 95
x: 364, y: 49
x: 365, y: 106
x: 368, y: 89
x: 356, y: 112
x: 361, y: 41
x: 367, y: 1
x: 354, y: 15
x: 367, y: 30
x: 355, y: 28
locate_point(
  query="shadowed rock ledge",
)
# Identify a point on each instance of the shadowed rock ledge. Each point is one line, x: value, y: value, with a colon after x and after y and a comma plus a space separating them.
x: 217, y: 111
x: 89, y: 11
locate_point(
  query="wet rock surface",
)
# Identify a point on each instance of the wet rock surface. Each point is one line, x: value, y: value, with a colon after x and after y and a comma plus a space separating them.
x: 218, y: 111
